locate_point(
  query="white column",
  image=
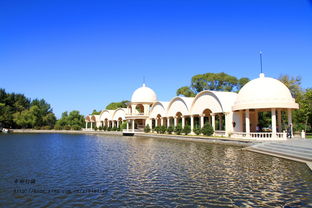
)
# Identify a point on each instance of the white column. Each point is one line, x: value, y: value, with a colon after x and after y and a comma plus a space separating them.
x: 192, y: 124
x: 213, y: 118
x: 86, y: 125
x: 273, y: 112
x: 91, y: 125
x: 183, y: 122
x: 133, y: 125
x: 290, y: 121
x: 247, y: 121
x: 156, y: 122
x: 161, y: 121
x: 201, y: 121
x: 256, y: 118
x: 175, y: 121
x: 127, y: 125
x: 279, y: 120
x: 168, y: 122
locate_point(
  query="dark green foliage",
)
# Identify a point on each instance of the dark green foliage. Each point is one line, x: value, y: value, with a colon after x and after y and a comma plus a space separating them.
x: 95, y: 128
x: 187, y: 129
x: 100, y: 128
x: 170, y: 129
x: 116, y: 105
x: 94, y: 112
x: 123, y: 125
x: 197, y: 130
x: 105, y: 128
x: 72, y: 119
x: 109, y: 128
x: 178, y: 129
x: 114, y: 128
x: 212, y: 81
x: 147, y: 128
x: 17, y: 111
x: 67, y: 127
x: 163, y: 129
x: 76, y: 127
x: 157, y: 129
x: 207, y: 129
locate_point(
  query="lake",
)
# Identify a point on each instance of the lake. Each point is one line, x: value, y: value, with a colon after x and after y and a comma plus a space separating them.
x: 64, y: 170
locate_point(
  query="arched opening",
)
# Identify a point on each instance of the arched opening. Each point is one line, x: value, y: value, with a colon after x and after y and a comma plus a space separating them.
x: 207, y: 116
x: 158, y: 120
x: 139, y: 108
x: 179, y: 118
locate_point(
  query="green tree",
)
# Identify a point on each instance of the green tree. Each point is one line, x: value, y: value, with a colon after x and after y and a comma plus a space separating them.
x: 212, y: 81
x: 116, y: 105
x: 94, y: 112
x: 74, y: 120
x: 293, y: 84
x: 186, y: 91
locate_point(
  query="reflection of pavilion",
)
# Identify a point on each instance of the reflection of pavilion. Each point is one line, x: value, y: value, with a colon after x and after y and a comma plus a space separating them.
x: 229, y: 113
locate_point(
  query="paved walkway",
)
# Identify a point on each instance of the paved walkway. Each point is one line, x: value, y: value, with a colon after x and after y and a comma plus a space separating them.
x: 294, y: 149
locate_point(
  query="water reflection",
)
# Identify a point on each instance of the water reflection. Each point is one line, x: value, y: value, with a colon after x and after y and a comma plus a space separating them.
x: 132, y: 172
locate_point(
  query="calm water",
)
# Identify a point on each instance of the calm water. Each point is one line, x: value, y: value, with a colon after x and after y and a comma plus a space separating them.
x: 57, y: 170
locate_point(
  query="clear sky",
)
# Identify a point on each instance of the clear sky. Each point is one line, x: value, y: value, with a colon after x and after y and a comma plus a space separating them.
x: 82, y: 55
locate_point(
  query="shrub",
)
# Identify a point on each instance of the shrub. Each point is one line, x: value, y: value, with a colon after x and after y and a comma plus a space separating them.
x: 163, y: 129
x: 46, y: 127
x: 187, y: 129
x: 157, y: 129
x: 58, y: 127
x: 147, y: 128
x: 123, y: 125
x: 114, y: 128
x: 105, y: 128
x: 207, y: 130
x: 197, y: 130
x: 76, y: 127
x: 67, y: 127
x: 37, y: 127
x: 95, y: 128
x: 178, y: 129
x: 170, y: 130
x: 109, y: 128
x: 100, y: 128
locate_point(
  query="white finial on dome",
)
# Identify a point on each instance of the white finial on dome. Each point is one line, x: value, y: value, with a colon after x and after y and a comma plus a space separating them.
x: 144, y: 85
x: 261, y: 75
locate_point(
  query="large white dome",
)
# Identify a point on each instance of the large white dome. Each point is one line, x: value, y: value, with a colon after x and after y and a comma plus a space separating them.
x: 264, y: 92
x: 144, y: 95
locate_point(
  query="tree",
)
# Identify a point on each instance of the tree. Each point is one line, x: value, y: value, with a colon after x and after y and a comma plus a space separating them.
x: 187, y: 129
x: 94, y: 112
x: 186, y: 91
x: 303, y: 116
x: 116, y: 105
x: 212, y: 81
x: 293, y: 84
x: 27, y: 118
x: 72, y: 120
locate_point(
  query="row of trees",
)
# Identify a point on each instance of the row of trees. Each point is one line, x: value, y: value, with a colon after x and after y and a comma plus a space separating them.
x: 18, y: 111
x: 206, y: 130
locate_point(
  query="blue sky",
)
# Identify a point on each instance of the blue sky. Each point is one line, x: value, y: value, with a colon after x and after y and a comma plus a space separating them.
x: 82, y: 55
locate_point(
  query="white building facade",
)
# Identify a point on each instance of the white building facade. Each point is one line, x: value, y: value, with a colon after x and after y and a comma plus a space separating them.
x: 230, y: 114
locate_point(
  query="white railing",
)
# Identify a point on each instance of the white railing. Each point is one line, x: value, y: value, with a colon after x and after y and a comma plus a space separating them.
x: 219, y: 133
x: 259, y: 135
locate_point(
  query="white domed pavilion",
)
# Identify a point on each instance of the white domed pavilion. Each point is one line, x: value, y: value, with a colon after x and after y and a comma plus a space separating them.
x: 229, y: 113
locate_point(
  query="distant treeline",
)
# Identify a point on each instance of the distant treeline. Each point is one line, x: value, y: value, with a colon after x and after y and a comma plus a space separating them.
x: 18, y: 111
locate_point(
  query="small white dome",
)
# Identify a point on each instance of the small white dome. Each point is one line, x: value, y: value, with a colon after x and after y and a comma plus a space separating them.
x: 144, y: 95
x: 264, y: 92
